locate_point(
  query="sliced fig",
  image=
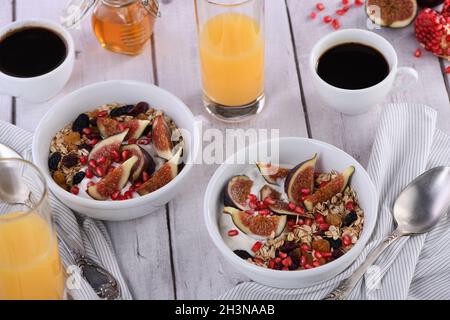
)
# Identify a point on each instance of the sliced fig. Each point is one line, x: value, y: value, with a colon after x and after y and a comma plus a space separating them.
x: 300, y: 177
x: 268, y: 191
x: 272, y: 173
x: 162, y: 138
x: 258, y: 225
x: 144, y: 163
x: 335, y: 186
x: 105, y: 148
x: 279, y: 206
x: 163, y: 176
x: 392, y: 13
x: 114, y: 181
x: 237, y: 190
x: 109, y: 127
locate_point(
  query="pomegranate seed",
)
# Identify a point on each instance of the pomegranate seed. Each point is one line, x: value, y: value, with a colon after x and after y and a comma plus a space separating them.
x: 302, y: 260
x: 272, y: 264
x: 269, y: 201
x: 90, y: 184
x: 320, y: 6
x: 308, y: 266
x: 87, y: 131
x: 261, y: 205
x: 252, y: 205
x: 287, y: 262
x: 318, y: 255
x: 336, y: 24
x: 83, y: 160
x: 102, y: 114
x: 122, y: 127
x: 128, y: 195
x: 116, y: 155
x: 93, y: 163
x: 137, y: 185
x: 324, y: 226
x: 145, y: 176
x: 305, y: 191
x: 252, y: 198
x: 292, y: 206
x: 285, y: 269
x: 89, y: 173
x: 100, y: 171
x: 101, y: 160
x: 316, y: 264
x: 92, y: 142
x: 418, y: 53
x: 126, y: 154
x: 345, y: 2
x: 346, y: 240
x: 115, y: 195
x: 75, y: 190
x: 341, y: 12
x: 327, y: 19
x: 144, y: 141
x: 447, y: 70
x: 319, y: 218
x: 264, y: 212
x: 313, y: 15
x: 257, y: 246
x: 326, y: 254
x: 299, y: 210
x: 305, y: 247
x: 308, y: 222
x: 346, y: 7
x: 359, y: 3
x: 121, y: 198
x: 132, y: 141
x: 233, y: 233
x: 301, y: 222
x: 349, y: 205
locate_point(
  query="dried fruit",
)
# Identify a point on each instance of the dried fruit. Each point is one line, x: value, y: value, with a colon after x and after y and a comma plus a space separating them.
x: 335, y: 244
x: 162, y: 138
x: 243, y: 254
x: 433, y: 32
x: 77, y: 178
x: 53, y: 160
x: 81, y: 122
x: 350, y: 218
x: 391, y: 13
x: 334, y: 187
x: 120, y: 111
x: 272, y: 173
x: 141, y: 107
x: 334, y: 219
x: 145, y: 162
x: 237, y: 191
x: 429, y: 3
x: 60, y: 179
x: 321, y: 245
x: 301, y: 177
x: 70, y: 160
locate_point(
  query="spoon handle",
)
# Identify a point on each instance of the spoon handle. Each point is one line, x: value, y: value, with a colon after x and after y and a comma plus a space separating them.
x: 344, y: 289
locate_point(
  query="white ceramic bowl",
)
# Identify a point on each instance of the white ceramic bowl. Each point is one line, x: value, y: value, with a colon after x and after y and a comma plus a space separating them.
x: 89, y: 98
x: 292, y: 151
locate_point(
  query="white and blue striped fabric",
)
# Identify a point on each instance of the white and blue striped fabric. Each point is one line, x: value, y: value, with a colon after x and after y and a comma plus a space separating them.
x: 407, y: 144
x: 83, y: 232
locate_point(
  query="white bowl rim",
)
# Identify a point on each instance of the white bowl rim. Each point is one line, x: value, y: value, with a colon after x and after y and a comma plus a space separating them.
x: 117, y: 205
x: 351, y: 255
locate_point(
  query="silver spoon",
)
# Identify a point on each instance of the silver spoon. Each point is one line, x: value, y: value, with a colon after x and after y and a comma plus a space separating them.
x: 417, y: 210
x: 103, y: 282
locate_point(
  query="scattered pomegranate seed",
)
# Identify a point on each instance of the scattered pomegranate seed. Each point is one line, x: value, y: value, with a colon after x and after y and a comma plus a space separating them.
x: 302, y: 260
x: 261, y: 205
x: 87, y: 131
x: 287, y: 262
x: 305, y: 191
x: 264, y: 212
x: 308, y: 266
x: 100, y: 171
x: 233, y: 233
x: 83, y: 160
x: 326, y: 254
x: 121, y: 198
x: 324, y: 226
x: 447, y: 70
x: 308, y: 222
x: 349, y: 205
x: 313, y: 15
x: 89, y: 173
x: 291, y: 224
x: 336, y: 24
x: 90, y: 184
x: 359, y: 3
x: 115, y: 195
x: 345, y: 2
x: 128, y: 195
x: 327, y: 19
x: 317, y: 254
x: 269, y: 201
x: 305, y: 247
x: 292, y: 206
x: 418, y: 53
x: 282, y: 255
x: 132, y: 141
x: 299, y: 210
x: 115, y: 155
x: 145, y: 176
x: 126, y: 154
x: 252, y: 198
x: 253, y: 205
x: 346, y: 240
x: 320, y: 6
x: 341, y: 12
x: 137, y: 185
x: 301, y: 222
x: 316, y: 264
x: 75, y: 190
x: 257, y: 246
x: 93, y: 163
x: 92, y: 142
x: 144, y: 141
x: 319, y: 218
x: 101, y: 160
x: 102, y: 114
x: 272, y: 264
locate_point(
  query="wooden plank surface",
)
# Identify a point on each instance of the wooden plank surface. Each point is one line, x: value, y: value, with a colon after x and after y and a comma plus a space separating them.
x: 200, y: 270
x: 142, y: 246
x: 355, y: 134
x: 6, y: 16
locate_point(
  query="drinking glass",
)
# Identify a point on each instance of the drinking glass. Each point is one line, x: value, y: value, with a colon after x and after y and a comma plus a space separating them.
x: 232, y: 57
x: 30, y: 267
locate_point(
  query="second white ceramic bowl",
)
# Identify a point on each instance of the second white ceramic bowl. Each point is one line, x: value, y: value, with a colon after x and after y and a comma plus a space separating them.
x: 292, y: 151
x: 87, y: 99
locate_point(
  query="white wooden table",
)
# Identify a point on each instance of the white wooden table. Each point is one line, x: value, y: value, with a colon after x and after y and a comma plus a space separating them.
x: 168, y: 254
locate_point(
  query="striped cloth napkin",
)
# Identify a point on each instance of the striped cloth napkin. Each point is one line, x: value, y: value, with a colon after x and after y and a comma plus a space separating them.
x: 407, y: 144
x: 73, y: 230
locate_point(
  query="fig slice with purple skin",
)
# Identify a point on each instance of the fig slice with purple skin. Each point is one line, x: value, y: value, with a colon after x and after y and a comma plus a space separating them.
x: 105, y: 148
x: 114, y: 181
x: 145, y: 161
x: 109, y: 127
x: 162, y: 138
x: 237, y: 191
x: 335, y: 186
x: 279, y: 207
x: 299, y: 178
x: 257, y: 225
x: 163, y: 176
x: 392, y: 13
x: 272, y: 173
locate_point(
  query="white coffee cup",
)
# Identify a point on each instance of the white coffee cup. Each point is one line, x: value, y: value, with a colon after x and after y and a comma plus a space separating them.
x: 44, y: 87
x: 355, y: 102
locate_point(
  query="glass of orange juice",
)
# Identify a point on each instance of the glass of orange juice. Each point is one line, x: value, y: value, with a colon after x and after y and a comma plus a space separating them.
x: 30, y: 267
x: 232, y: 57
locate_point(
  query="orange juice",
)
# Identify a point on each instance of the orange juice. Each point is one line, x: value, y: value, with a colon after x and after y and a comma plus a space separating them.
x: 30, y: 267
x: 232, y: 59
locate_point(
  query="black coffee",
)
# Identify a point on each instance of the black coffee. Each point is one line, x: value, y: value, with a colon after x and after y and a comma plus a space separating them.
x: 353, y: 66
x: 31, y: 52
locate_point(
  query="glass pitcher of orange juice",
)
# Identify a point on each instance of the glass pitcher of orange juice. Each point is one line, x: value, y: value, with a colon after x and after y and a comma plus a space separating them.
x: 30, y: 266
x: 232, y: 56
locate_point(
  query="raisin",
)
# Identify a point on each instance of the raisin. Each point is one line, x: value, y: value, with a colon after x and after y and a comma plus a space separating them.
x: 117, y: 112
x: 243, y: 254
x: 78, y: 178
x: 80, y: 123
x: 71, y: 160
x: 288, y: 246
x: 335, y: 244
x: 141, y: 107
x: 321, y: 245
x: 93, y: 122
x: 54, y: 160
x: 337, y: 253
x: 350, y: 218
x: 86, y: 147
